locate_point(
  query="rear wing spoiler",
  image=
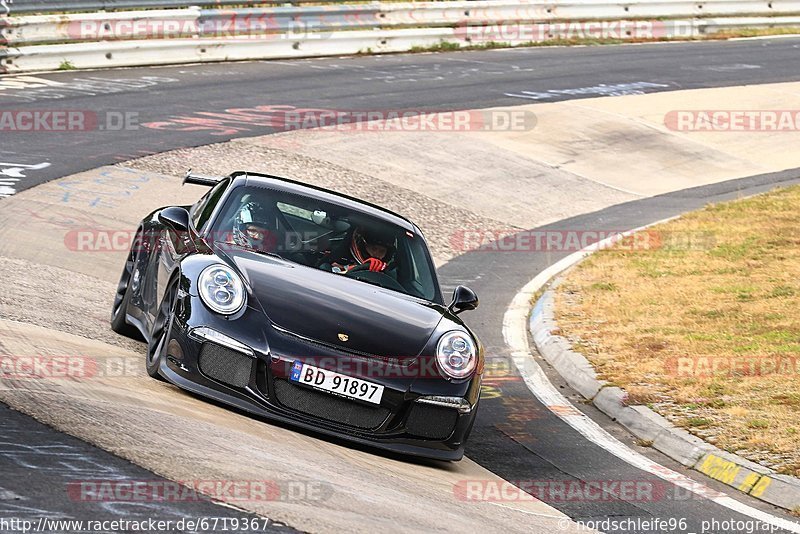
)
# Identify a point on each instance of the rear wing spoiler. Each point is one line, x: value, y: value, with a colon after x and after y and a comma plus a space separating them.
x: 199, y: 179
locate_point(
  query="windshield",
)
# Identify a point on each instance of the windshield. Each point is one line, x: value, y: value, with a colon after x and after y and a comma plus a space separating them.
x: 326, y: 236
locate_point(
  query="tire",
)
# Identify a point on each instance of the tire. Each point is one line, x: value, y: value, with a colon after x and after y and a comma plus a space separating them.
x: 157, y: 346
x: 123, y: 298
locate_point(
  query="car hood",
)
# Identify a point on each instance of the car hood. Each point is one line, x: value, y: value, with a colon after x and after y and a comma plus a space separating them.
x: 320, y: 306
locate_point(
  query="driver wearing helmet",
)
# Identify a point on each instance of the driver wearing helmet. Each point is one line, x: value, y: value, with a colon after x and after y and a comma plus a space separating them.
x: 252, y: 228
x: 371, y: 249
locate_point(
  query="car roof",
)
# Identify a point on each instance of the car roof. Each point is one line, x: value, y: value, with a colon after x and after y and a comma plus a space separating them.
x: 326, y: 195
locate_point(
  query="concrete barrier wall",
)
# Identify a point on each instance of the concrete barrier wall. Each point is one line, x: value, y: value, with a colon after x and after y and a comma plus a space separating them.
x: 171, y: 36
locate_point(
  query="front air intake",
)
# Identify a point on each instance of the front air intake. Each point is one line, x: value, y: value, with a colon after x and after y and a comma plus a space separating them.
x: 329, y: 407
x: 431, y: 422
x: 225, y: 365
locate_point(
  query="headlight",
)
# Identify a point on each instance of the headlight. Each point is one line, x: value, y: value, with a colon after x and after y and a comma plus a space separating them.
x: 456, y: 354
x: 221, y: 289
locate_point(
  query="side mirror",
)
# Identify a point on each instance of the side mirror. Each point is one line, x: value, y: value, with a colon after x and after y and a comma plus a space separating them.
x: 463, y: 299
x: 175, y: 217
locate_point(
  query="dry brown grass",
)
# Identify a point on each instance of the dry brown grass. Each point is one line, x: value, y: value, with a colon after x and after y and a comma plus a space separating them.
x: 653, y: 318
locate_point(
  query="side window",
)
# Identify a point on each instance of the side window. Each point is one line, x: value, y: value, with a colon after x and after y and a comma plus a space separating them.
x: 288, y: 209
x: 422, y: 278
x: 197, y: 209
x: 203, y: 209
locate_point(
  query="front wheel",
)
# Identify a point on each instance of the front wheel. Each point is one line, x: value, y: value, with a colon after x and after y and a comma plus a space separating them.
x: 157, y: 347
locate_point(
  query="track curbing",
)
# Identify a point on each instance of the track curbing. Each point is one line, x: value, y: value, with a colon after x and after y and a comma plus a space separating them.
x: 648, y: 426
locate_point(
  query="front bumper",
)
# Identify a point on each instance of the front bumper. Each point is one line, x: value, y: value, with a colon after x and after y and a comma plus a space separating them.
x: 424, y: 417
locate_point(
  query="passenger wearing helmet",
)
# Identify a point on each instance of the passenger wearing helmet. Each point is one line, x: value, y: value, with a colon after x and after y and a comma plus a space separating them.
x: 254, y: 227
x: 371, y: 249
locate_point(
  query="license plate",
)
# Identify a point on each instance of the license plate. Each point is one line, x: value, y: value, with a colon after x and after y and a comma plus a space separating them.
x: 339, y: 384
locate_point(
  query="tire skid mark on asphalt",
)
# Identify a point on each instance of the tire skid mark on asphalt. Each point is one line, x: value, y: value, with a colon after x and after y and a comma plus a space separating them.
x: 515, y: 333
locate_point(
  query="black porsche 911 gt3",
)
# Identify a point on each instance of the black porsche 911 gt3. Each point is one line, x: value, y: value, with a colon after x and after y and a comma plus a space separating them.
x: 307, y: 306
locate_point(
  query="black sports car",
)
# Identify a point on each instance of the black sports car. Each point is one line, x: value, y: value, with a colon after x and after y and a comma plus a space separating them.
x: 306, y: 306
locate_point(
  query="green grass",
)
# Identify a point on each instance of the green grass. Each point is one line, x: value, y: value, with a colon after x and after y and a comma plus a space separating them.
x: 782, y: 291
x: 442, y: 46
x: 758, y: 424
x: 604, y: 286
x: 698, y: 422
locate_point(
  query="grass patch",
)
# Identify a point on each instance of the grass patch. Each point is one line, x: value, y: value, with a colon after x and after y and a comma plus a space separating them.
x: 709, y: 335
x: 783, y: 291
x: 604, y: 286
x: 443, y: 46
x: 758, y: 423
x: 67, y: 65
x: 698, y: 422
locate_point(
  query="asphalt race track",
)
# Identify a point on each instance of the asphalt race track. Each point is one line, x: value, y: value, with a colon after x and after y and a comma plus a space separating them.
x: 172, y: 99
x: 191, y: 106
x: 37, y: 458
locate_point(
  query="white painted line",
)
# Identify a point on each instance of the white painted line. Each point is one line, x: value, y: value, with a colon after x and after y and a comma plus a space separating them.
x: 7, y: 191
x: 16, y: 170
x: 765, y: 37
x: 11, y: 173
x: 515, y: 333
x: 617, y: 89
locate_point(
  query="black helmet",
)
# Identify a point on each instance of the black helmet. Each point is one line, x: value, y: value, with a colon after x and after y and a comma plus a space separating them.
x: 252, y: 215
x: 372, y: 235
